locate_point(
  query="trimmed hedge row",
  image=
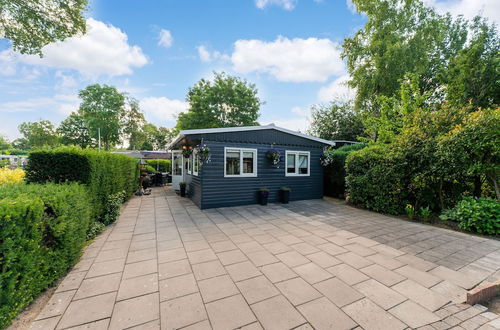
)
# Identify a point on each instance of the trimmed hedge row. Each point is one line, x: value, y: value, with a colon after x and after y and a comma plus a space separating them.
x: 43, y: 229
x: 377, y: 179
x: 334, y: 165
x: 163, y: 165
x: 105, y: 174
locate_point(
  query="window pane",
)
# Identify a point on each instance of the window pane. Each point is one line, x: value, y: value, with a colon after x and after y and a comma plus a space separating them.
x: 303, y: 164
x: 177, y: 165
x: 290, y: 163
x: 232, y: 163
x: 247, y: 162
x: 196, y: 163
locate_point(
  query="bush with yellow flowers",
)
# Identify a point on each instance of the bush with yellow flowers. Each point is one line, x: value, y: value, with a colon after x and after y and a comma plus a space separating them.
x: 8, y: 175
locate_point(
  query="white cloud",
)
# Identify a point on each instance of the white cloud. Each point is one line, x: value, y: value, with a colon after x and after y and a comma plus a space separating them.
x: 62, y: 103
x: 104, y: 49
x: 468, y: 8
x: 166, y: 39
x: 293, y: 60
x: 162, y: 108
x: 210, y: 56
x: 7, y: 63
x: 65, y: 82
x: 285, y: 4
x: 337, y: 89
x: 297, y: 119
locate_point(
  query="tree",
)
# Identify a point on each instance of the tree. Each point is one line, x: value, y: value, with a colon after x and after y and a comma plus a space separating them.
x: 224, y: 102
x: 473, y: 75
x: 39, y: 134
x: 164, y: 137
x: 132, y: 124
x: 74, y: 131
x: 400, y: 37
x: 32, y: 24
x: 336, y: 121
x: 473, y: 147
x: 102, y: 108
x: 4, y: 143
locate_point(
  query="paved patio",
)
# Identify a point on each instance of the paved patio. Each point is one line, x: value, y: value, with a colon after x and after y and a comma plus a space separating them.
x: 307, y: 265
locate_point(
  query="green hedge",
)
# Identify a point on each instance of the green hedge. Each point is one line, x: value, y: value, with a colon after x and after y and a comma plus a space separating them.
x: 334, y: 165
x: 43, y: 229
x: 376, y: 179
x: 163, y: 165
x: 106, y: 174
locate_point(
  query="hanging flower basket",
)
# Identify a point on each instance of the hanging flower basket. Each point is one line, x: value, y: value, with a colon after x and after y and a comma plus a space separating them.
x: 187, y: 151
x: 274, y: 157
x: 203, y: 153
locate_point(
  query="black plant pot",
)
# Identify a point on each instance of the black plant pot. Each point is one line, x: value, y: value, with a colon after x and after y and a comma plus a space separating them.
x: 263, y: 196
x: 285, y: 196
x: 183, y: 190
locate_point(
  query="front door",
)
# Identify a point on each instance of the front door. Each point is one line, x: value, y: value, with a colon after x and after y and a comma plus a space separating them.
x: 177, y: 169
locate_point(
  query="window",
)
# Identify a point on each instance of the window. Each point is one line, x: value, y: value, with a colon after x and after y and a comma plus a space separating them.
x: 297, y: 163
x: 240, y: 162
x: 196, y: 163
x: 177, y: 164
x: 189, y: 164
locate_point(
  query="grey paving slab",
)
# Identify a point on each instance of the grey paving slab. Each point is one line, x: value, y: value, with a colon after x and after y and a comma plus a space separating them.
x: 307, y: 265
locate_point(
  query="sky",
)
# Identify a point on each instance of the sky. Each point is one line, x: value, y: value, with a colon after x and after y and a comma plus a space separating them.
x: 156, y: 50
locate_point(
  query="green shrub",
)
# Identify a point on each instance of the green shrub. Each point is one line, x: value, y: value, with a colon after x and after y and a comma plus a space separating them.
x: 163, y: 165
x: 113, y: 205
x: 95, y: 229
x: 333, y: 161
x: 481, y: 215
x: 149, y: 169
x: 104, y: 173
x: 376, y: 179
x: 43, y: 229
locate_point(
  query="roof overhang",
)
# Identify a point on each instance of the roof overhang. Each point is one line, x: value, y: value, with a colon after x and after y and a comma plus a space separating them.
x: 185, y: 133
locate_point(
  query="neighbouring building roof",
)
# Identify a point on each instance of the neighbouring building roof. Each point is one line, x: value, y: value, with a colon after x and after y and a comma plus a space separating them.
x: 184, y: 133
x: 144, y: 154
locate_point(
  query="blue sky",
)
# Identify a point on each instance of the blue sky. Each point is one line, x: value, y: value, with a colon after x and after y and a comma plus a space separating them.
x: 156, y: 50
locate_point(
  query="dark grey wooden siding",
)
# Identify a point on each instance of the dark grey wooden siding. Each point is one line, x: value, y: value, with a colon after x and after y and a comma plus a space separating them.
x: 194, y: 189
x: 219, y: 191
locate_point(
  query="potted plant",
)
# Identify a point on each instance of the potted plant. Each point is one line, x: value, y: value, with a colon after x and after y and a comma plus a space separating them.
x: 274, y: 157
x: 285, y: 194
x: 182, y: 187
x: 263, y: 195
x: 203, y: 153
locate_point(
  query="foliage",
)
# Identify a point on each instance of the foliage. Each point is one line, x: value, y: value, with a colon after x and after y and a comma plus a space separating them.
x: 156, y: 138
x: 30, y: 25
x: 336, y: 121
x: 43, y: 229
x: 410, y: 211
x: 400, y: 37
x: 425, y: 213
x: 472, y: 77
x: 481, y: 215
x: 95, y: 229
x: 376, y: 179
x: 102, y: 107
x: 472, y: 148
x: 132, y: 124
x: 333, y: 161
x: 149, y: 169
x: 163, y: 165
x: 74, y: 131
x: 4, y: 143
x: 8, y: 176
x: 104, y: 173
x: 226, y: 101
x: 39, y: 134
x: 203, y: 153
x: 113, y: 205
x: 274, y: 156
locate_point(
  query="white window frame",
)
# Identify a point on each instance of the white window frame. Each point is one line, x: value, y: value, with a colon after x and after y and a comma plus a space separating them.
x: 195, y: 159
x: 297, y: 154
x: 241, y: 151
x: 189, y: 165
